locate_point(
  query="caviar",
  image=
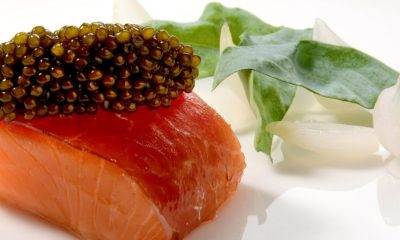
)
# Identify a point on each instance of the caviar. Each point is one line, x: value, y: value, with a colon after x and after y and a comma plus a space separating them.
x: 80, y: 69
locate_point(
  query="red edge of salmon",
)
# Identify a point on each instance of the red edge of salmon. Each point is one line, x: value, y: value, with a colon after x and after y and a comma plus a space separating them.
x: 184, y: 158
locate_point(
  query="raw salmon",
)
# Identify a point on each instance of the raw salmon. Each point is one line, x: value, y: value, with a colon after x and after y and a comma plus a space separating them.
x: 153, y: 174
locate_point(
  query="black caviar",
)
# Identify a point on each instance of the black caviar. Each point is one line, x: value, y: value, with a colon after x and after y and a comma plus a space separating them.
x: 78, y: 69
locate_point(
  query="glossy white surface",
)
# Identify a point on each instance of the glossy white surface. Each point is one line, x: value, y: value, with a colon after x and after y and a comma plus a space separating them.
x: 307, y: 196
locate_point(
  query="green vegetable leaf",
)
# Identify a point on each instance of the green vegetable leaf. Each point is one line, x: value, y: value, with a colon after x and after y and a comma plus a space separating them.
x: 271, y: 100
x: 336, y: 72
x: 273, y: 61
x: 203, y: 35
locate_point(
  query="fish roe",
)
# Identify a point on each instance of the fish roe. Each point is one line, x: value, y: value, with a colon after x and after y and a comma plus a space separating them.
x: 79, y: 69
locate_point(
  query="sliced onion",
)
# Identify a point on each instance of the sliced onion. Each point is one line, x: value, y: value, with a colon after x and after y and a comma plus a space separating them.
x: 323, y: 33
x: 129, y: 11
x: 304, y: 107
x: 386, y: 119
x: 327, y: 138
x: 229, y: 98
x: 225, y: 39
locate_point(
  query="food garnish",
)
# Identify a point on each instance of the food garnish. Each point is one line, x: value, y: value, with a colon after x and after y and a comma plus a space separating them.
x: 78, y: 69
x: 274, y: 61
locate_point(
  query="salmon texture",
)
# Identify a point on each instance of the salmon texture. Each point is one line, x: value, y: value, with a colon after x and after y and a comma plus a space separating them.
x: 153, y: 174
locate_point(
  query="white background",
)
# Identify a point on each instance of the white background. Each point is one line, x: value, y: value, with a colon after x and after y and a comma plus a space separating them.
x: 305, y: 197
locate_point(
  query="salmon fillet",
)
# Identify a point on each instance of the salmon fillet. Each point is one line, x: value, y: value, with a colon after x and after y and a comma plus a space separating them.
x: 154, y: 174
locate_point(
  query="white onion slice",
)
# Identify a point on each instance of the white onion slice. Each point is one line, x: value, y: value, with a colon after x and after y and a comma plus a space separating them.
x: 129, y: 11
x: 225, y: 39
x: 327, y: 138
x: 386, y: 119
x: 323, y: 33
x: 229, y: 98
x: 304, y: 107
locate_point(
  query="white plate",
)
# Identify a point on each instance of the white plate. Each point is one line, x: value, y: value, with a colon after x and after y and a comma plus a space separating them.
x: 305, y: 197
